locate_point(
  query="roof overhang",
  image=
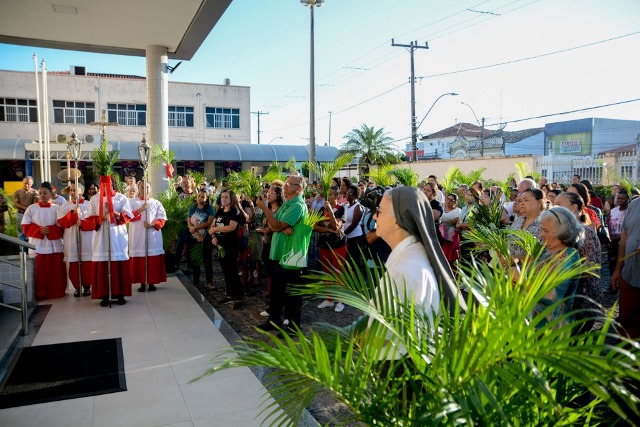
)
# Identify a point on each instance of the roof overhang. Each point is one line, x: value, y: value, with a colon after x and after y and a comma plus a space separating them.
x: 121, y: 27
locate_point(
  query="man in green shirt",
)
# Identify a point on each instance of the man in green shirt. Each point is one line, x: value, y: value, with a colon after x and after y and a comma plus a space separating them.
x: 284, y: 224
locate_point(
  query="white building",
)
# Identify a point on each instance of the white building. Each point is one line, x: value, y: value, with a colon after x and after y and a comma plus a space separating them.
x: 209, y: 126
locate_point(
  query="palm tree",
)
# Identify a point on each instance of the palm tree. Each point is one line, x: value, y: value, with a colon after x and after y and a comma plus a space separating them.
x: 496, y: 364
x: 371, y: 147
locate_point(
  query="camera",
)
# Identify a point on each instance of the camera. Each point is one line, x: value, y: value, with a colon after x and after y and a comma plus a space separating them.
x: 372, y: 197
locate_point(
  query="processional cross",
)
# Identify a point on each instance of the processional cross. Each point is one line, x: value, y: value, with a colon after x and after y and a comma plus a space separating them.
x: 103, y: 124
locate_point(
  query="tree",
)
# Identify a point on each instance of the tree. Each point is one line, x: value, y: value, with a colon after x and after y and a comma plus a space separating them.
x: 371, y: 147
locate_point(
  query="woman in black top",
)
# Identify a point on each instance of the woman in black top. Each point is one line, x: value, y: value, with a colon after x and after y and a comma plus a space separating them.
x: 225, y: 236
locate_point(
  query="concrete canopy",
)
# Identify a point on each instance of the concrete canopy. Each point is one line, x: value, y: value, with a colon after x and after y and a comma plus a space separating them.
x: 121, y: 27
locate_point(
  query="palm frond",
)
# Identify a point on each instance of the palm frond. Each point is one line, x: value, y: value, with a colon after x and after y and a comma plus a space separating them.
x: 382, y: 175
x: 488, y: 366
x: 160, y: 155
x: 405, y: 176
x: 325, y: 171
x: 291, y: 165
x: 274, y: 173
x: 449, y: 180
x: 196, y: 256
x: 314, y: 217
x: 103, y: 159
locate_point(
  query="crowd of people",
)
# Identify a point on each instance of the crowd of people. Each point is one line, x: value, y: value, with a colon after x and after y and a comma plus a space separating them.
x: 103, y: 241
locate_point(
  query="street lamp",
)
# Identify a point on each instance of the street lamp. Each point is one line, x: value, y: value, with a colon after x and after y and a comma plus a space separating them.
x: 143, y: 152
x: 433, y: 105
x: 312, y: 96
x: 74, y: 147
x: 277, y: 137
x: 481, y: 128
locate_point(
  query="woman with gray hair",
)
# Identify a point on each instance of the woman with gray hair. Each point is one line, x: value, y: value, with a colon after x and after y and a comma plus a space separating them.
x: 562, y: 236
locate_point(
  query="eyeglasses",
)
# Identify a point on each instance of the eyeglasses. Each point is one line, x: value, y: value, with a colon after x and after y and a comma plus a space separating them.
x: 450, y: 200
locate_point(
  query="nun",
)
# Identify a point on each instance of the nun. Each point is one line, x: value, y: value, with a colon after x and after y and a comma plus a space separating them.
x: 416, y: 266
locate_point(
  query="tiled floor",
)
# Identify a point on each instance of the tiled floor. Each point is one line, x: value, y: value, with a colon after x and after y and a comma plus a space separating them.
x: 168, y: 337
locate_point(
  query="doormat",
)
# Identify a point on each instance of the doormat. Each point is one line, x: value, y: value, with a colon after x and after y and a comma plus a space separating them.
x: 47, y: 373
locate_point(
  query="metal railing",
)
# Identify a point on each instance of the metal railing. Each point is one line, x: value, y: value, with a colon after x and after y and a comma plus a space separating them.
x: 22, y: 246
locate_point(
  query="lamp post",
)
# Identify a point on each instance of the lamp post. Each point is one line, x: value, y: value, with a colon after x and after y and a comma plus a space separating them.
x: 433, y: 105
x: 143, y: 152
x: 481, y: 124
x: 74, y: 147
x: 277, y: 137
x: 312, y: 95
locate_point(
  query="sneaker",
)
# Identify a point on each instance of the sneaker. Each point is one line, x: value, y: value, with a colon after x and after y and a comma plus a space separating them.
x: 121, y: 301
x: 264, y: 313
x: 104, y: 302
x: 152, y: 288
x: 86, y: 290
x: 142, y: 288
x: 326, y: 303
x: 339, y: 307
x: 76, y: 293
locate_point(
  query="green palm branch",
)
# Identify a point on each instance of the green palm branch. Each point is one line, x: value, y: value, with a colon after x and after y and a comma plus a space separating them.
x: 198, y: 177
x: 382, y: 175
x: 314, y: 217
x: 476, y: 175
x: 195, y: 254
x: 177, y: 209
x: 103, y: 159
x: 450, y: 179
x: 490, y: 215
x: 291, y: 165
x: 160, y: 155
x: 523, y: 169
x: 274, y: 173
x: 488, y: 366
x: 325, y: 171
x: 405, y: 176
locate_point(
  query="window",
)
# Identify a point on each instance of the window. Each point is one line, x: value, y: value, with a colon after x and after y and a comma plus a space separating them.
x: 72, y: 112
x: 223, y: 118
x: 626, y: 172
x: 18, y: 110
x: 127, y: 114
x: 181, y: 116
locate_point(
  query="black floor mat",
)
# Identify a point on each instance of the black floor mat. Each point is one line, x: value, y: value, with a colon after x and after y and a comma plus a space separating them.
x: 53, y: 372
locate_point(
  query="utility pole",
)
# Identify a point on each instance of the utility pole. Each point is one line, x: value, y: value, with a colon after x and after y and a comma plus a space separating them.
x: 259, y: 113
x: 329, y: 128
x: 414, y: 133
x: 482, y: 139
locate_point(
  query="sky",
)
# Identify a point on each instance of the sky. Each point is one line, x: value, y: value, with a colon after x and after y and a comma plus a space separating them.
x: 510, y: 61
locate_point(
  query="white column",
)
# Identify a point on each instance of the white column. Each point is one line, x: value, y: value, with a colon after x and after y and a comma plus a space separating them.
x: 157, y: 110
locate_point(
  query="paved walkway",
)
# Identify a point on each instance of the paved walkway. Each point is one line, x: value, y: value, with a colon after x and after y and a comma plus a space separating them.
x: 169, y: 337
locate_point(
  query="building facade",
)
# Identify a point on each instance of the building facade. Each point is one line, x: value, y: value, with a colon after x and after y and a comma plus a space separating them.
x: 209, y: 125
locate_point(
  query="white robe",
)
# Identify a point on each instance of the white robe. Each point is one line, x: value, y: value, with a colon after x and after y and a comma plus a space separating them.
x: 154, y: 211
x: 70, y: 234
x: 119, y: 236
x: 35, y: 214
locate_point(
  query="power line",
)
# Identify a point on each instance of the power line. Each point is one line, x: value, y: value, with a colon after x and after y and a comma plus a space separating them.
x: 566, y: 112
x: 514, y: 61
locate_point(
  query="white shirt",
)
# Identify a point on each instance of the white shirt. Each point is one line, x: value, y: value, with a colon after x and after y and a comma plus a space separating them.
x: 409, y: 270
x: 118, y: 233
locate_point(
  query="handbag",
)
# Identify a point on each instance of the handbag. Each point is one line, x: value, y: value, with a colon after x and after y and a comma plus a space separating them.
x: 603, y: 235
x: 296, y: 248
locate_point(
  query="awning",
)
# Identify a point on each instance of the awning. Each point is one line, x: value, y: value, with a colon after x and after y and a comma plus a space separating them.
x: 184, y: 151
x: 13, y: 149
